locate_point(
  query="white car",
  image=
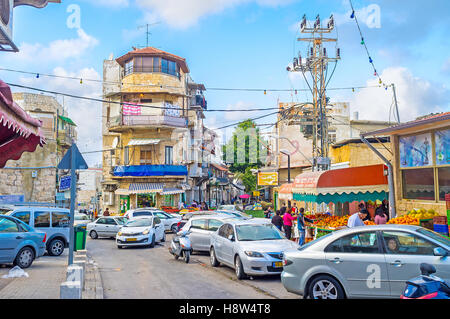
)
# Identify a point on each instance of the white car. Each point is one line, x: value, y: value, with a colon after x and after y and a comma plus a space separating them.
x: 144, y: 231
x: 107, y: 226
x: 169, y: 221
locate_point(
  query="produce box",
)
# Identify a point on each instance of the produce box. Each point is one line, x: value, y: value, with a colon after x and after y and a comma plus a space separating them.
x: 442, y: 229
x: 440, y: 220
x: 427, y: 223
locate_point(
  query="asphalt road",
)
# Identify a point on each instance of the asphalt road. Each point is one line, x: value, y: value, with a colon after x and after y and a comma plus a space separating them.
x: 154, y: 273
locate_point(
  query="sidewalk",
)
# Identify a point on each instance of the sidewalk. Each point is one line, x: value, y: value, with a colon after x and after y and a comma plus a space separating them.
x: 44, y: 278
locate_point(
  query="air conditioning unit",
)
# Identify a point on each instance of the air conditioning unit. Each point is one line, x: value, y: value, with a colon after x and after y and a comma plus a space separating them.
x: 108, y: 198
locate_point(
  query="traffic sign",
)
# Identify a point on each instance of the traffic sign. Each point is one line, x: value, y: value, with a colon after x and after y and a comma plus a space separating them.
x: 80, y: 163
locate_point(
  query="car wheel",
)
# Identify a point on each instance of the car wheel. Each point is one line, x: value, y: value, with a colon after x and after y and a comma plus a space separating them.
x: 152, y: 244
x: 187, y: 256
x: 163, y: 238
x: 119, y: 246
x: 325, y: 287
x: 56, y: 247
x: 93, y: 234
x: 213, y: 258
x: 239, y: 268
x: 24, y: 258
x: 174, y: 228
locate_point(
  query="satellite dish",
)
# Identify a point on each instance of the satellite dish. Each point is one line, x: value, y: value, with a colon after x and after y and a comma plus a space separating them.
x: 115, y: 142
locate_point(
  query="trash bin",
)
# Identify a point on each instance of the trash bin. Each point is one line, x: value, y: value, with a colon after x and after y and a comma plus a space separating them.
x: 80, y: 237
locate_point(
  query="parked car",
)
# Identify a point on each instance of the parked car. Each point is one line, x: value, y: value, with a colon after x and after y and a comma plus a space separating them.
x: 51, y: 220
x: 364, y: 262
x: 201, y: 227
x: 107, y: 226
x: 4, y: 208
x: 143, y: 231
x: 229, y: 207
x: 189, y: 215
x: 252, y: 247
x: 234, y: 213
x: 20, y: 244
x: 81, y: 219
x: 170, y: 221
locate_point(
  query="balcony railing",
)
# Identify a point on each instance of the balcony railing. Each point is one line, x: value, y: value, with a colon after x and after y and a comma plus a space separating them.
x: 148, y: 120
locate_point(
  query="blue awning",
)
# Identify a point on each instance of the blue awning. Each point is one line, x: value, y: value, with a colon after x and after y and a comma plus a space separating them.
x: 150, y: 170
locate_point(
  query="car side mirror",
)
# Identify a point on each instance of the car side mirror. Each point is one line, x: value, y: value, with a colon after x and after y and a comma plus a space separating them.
x: 231, y: 237
x: 438, y: 251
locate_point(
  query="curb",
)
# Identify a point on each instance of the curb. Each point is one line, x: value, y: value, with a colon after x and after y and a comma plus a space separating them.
x: 94, y: 285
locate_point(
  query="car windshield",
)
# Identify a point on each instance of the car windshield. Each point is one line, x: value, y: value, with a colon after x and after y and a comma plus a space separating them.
x: 435, y: 236
x: 258, y: 232
x: 142, y: 222
x: 136, y: 214
x: 121, y: 220
x: 227, y: 207
x: 81, y: 217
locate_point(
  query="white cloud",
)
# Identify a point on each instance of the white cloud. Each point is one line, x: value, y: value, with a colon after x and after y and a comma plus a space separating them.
x: 446, y: 66
x: 416, y: 97
x: 181, y: 14
x: 86, y: 114
x: 55, y: 51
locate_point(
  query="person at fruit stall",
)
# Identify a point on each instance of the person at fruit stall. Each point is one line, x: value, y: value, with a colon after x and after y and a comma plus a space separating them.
x: 301, y: 219
x: 357, y: 219
x: 277, y: 220
x: 363, y: 209
x: 287, y: 223
x: 385, y: 207
x: 380, y: 216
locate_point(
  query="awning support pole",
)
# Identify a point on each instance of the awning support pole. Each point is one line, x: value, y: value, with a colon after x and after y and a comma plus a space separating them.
x: 392, y: 206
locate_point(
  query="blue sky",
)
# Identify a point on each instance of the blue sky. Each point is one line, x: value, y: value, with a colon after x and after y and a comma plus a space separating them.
x: 242, y: 44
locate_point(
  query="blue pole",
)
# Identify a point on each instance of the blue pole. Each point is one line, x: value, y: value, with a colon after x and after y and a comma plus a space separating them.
x: 73, y: 185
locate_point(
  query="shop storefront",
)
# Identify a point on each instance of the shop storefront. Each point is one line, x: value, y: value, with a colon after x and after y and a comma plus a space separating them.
x: 340, y: 191
x: 421, y: 163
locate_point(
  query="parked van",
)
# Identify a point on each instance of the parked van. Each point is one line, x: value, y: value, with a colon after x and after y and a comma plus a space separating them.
x: 51, y: 220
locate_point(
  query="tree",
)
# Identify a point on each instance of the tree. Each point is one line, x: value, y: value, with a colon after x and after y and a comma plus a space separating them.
x: 245, y: 149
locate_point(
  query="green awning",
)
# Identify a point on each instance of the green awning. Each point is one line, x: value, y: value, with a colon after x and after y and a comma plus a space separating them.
x: 67, y: 120
x: 340, y: 198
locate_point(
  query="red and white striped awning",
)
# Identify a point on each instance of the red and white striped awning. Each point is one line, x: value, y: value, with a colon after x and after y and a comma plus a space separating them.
x: 19, y: 132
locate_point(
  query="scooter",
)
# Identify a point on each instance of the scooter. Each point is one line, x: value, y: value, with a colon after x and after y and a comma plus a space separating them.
x: 181, y: 246
x: 426, y: 286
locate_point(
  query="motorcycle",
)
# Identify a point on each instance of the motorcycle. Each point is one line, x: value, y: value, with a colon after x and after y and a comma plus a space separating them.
x: 426, y: 286
x: 181, y: 246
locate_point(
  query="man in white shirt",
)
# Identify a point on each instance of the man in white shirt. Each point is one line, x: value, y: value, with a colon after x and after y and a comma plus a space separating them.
x: 356, y: 219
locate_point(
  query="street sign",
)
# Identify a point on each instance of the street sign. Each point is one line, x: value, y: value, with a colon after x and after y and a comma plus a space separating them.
x: 64, y: 183
x: 80, y: 163
x: 267, y: 178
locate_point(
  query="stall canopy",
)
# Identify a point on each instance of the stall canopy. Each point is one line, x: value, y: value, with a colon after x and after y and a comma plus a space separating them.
x: 145, y: 188
x: 342, y: 185
x: 19, y: 132
x: 285, y: 191
x: 172, y: 191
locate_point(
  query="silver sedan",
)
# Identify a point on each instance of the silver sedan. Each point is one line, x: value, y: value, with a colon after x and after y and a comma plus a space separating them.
x: 364, y: 262
x: 252, y: 247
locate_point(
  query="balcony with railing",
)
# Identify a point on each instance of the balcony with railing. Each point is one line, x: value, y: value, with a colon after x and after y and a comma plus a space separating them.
x: 118, y: 123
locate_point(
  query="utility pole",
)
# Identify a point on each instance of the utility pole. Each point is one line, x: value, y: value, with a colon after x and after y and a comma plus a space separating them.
x: 316, y: 64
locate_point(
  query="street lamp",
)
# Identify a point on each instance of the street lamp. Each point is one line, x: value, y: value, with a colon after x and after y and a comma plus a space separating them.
x: 288, y: 154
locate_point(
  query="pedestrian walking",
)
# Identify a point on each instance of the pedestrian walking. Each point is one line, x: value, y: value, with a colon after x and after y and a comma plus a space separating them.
x: 277, y: 220
x: 287, y: 222
x: 301, y: 219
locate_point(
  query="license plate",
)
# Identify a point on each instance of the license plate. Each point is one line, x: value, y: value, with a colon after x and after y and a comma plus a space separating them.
x: 131, y: 239
x: 278, y: 264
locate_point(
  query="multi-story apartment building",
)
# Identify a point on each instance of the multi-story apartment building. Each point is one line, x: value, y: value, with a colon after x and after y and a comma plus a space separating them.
x: 34, y: 177
x: 152, y: 118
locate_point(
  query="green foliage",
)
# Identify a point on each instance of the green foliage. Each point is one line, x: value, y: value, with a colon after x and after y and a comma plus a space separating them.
x: 248, y: 179
x: 244, y: 151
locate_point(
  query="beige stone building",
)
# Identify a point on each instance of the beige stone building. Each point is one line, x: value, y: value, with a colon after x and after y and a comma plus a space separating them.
x: 34, y: 176
x: 151, y: 126
x: 89, y: 187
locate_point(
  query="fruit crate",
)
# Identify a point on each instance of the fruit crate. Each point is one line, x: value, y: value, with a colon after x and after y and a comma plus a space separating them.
x: 426, y: 223
x: 440, y: 220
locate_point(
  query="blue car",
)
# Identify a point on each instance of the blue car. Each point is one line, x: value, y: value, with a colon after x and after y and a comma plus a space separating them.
x: 20, y: 244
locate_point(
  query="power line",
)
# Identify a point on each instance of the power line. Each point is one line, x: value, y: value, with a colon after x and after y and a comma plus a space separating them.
x: 81, y: 80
